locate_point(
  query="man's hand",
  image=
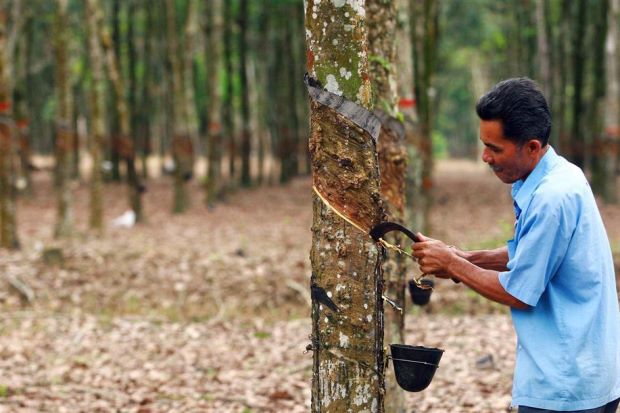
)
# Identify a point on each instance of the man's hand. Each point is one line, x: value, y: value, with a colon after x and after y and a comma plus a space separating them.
x: 434, y: 257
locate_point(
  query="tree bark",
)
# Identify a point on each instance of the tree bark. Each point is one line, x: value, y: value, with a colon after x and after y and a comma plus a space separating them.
x: 147, y: 113
x: 424, y: 16
x: 8, y: 220
x: 22, y: 118
x: 290, y: 125
x: 182, y: 150
x: 246, y: 179
x: 214, y: 99
x: 346, y: 282
x: 393, y: 165
x: 64, y: 131
x: 606, y: 152
x: 578, y: 147
x: 126, y: 147
x: 97, y: 128
x: 115, y: 157
x: 227, y: 105
x: 544, y: 60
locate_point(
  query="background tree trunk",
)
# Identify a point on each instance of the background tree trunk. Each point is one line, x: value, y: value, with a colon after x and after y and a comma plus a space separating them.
x: 347, y: 308
x: 126, y: 147
x: 181, y: 142
x: 544, y: 63
x: 64, y: 116
x: 595, y: 111
x: 8, y: 220
x: 227, y: 105
x: 242, y: 19
x: 214, y: 99
x: 424, y: 17
x: 97, y: 128
x: 578, y: 145
x: 608, y: 160
x: 392, y: 167
x: 114, y: 121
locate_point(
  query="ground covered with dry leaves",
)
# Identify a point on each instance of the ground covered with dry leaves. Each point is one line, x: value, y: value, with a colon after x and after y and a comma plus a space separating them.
x: 209, y: 311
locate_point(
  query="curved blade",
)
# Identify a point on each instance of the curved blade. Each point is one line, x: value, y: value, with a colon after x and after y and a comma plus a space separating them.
x: 379, y: 230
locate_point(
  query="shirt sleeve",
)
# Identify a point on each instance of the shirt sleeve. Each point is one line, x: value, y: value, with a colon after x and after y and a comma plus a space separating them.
x: 536, y: 254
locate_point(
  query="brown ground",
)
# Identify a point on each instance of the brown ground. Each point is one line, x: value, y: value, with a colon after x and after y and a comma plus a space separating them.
x: 208, y: 311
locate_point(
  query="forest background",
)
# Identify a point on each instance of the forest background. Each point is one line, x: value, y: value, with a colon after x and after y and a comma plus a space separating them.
x: 155, y: 199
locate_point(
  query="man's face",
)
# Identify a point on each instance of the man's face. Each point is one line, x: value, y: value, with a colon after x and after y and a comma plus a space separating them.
x: 509, y: 161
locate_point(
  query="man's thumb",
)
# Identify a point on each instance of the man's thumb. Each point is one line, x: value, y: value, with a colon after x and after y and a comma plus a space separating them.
x: 422, y: 238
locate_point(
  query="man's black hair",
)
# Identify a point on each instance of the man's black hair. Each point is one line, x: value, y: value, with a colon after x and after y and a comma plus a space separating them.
x: 521, y: 107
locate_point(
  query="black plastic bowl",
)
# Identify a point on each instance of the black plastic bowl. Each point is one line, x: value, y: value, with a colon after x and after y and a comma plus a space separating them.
x: 421, y: 295
x: 430, y: 355
x: 414, y: 366
x: 413, y: 376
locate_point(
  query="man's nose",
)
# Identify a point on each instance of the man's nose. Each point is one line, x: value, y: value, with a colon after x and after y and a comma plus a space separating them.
x: 486, y: 157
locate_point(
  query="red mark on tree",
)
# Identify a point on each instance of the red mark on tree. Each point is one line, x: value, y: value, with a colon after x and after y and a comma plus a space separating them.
x: 406, y: 103
x: 309, y: 60
x: 612, y: 131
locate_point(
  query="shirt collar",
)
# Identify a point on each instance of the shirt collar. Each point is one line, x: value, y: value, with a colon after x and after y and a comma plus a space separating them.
x: 522, y: 190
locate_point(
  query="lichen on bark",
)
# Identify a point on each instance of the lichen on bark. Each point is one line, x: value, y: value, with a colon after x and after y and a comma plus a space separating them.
x: 337, y: 47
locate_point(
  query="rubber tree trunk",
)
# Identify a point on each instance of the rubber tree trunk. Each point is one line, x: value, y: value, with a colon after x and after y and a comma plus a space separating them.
x: 604, y: 175
x: 182, y: 150
x: 8, y: 221
x: 148, y: 99
x: 346, y: 282
x: 408, y: 115
x: 64, y: 131
x: 578, y: 147
x: 561, y: 69
x: 133, y: 89
x: 214, y: 102
x: 246, y: 179
x: 227, y: 105
x: 275, y: 71
x: 97, y: 128
x: 424, y: 18
x: 393, y: 167
x: 289, y: 153
x: 190, y: 117
x: 544, y: 58
x: 594, y: 111
x: 126, y: 147
x: 22, y: 118
x: 115, y: 157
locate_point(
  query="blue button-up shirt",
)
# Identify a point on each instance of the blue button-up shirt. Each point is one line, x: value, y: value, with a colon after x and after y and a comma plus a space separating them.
x: 560, y: 264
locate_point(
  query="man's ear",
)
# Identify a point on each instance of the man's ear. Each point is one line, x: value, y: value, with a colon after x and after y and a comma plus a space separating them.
x: 534, y: 146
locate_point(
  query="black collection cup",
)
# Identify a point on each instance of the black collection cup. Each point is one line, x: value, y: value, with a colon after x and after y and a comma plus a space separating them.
x: 414, y: 366
x: 421, y: 295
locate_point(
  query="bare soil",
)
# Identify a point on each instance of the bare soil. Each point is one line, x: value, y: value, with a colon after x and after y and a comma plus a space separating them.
x: 209, y: 311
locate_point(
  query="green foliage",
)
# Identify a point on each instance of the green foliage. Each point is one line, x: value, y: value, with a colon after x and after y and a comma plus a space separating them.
x: 381, y: 60
x: 440, y: 145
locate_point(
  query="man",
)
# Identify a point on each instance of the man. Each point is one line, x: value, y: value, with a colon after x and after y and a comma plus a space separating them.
x: 557, y: 273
